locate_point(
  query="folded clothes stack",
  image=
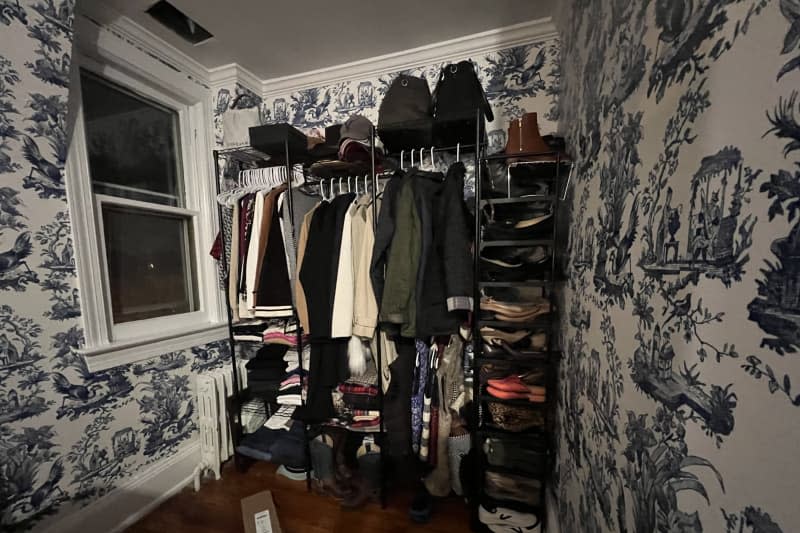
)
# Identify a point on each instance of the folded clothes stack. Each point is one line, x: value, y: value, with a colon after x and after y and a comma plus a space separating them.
x: 254, y: 415
x: 292, y: 359
x: 514, y: 311
x: 266, y: 370
x: 282, y: 418
x: 357, y: 406
x: 249, y: 331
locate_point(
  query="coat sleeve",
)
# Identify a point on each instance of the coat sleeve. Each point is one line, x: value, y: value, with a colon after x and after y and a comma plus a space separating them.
x: 383, y: 238
x: 458, y: 243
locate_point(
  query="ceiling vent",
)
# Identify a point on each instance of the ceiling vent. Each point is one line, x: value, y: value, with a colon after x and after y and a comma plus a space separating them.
x: 179, y: 22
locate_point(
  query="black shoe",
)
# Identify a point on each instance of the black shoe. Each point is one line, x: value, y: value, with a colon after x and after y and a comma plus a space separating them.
x: 538, y: 227
x: 421, y: 507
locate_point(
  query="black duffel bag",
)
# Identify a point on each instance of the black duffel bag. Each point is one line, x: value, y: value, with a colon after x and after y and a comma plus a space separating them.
x: 405, y: 117
x: 456, y: 101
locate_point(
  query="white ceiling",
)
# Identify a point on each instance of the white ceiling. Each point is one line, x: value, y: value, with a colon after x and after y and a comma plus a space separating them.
x: 274, y: 39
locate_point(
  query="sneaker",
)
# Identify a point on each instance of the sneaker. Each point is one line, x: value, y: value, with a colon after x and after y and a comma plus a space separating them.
x: 504, y: 519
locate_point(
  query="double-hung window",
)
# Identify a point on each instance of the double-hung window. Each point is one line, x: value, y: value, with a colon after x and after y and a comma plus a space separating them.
x: 147, y: 278
x: 137, y: 177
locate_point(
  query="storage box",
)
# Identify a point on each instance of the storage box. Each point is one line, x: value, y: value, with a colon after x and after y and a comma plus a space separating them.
x: 259, y: 514
x: 270, y: 139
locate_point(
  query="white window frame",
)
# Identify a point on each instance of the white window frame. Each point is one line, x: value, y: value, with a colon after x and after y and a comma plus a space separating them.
x: 107, y: 344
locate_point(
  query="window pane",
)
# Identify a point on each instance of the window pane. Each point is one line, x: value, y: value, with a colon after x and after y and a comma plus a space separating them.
x: 132, y: 144
x: 150, y: 263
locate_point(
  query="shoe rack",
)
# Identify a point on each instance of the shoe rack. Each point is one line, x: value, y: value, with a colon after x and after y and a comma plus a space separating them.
x: 542, y: 284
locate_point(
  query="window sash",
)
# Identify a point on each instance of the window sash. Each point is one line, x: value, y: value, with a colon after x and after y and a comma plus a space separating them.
x: 191, y: 275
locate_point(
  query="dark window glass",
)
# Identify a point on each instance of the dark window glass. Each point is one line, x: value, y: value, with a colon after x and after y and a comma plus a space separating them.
x: 149, y: 257
x: 133, y: 144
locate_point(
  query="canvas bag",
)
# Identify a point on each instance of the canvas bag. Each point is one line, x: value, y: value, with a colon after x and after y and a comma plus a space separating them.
x: 405, y: 116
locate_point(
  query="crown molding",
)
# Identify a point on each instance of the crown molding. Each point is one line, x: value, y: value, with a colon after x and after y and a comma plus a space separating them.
x: 103, y: 23
x: 106, y: 21
x: 444, y: 51
x: 231, y: 74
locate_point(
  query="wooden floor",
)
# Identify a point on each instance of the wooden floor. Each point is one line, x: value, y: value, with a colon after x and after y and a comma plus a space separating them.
x: 216, y: 509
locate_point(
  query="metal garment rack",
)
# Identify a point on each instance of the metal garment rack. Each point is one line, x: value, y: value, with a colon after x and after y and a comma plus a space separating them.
x: 548, y: 359
x: 251, y: 156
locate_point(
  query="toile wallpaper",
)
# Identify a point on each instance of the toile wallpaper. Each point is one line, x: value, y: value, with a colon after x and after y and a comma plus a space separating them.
x: 67, y: 435
x: 679, y: 407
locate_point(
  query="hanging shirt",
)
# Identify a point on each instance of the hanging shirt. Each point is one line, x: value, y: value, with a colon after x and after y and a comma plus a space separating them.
x: 365, y: 306
x: 342, y: 314
x: 300, y: 295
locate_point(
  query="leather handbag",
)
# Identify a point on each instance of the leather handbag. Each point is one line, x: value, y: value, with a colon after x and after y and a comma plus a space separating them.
x: 458, y: 99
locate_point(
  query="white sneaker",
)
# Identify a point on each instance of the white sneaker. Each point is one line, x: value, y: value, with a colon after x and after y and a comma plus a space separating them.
x: 504, y: 520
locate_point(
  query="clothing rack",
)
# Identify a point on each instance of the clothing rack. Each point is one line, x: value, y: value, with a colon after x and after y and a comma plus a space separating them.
x: 477, y: 424
x: 250, y: 156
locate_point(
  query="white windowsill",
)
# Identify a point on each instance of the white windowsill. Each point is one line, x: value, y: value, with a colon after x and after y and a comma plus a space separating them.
x: 121, y: 353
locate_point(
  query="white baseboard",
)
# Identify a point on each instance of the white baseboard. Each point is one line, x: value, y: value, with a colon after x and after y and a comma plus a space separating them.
x: 141, y: 494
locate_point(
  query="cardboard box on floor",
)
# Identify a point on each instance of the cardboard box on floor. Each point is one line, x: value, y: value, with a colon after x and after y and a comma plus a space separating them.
x: 259, y: 514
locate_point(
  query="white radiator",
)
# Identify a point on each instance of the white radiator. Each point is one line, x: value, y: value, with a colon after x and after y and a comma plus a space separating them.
x: 216, y: 442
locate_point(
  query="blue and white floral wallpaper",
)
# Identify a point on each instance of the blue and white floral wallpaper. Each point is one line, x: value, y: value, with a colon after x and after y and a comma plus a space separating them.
x: 67, y: 435
x: 516, y: 80
x: 679, y: 396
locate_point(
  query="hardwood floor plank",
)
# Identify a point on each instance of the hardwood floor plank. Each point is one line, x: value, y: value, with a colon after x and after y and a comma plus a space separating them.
x: 216, y: 509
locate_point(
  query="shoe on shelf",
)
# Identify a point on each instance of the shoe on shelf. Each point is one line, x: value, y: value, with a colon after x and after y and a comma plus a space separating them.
x: 540, y: 226
x: 515, y: 342
x: 528, y: 455
x: 515, y: 418
x: 515, y: 395
x: 529, y: 383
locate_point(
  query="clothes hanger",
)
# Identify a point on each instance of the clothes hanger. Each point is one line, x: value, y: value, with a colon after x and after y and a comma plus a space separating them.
x: 402, y: 167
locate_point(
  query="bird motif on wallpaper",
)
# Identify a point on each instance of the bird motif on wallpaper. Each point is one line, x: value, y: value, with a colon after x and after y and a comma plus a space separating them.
x: 524, y: 75
x: 78, y: 393
x: 319, y: 109
x: 42, y: 171
x: 50, y: 486
x: 52, y: 70
x: 12, y: 259
x: 682, y: 30
x: 26, y: 507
